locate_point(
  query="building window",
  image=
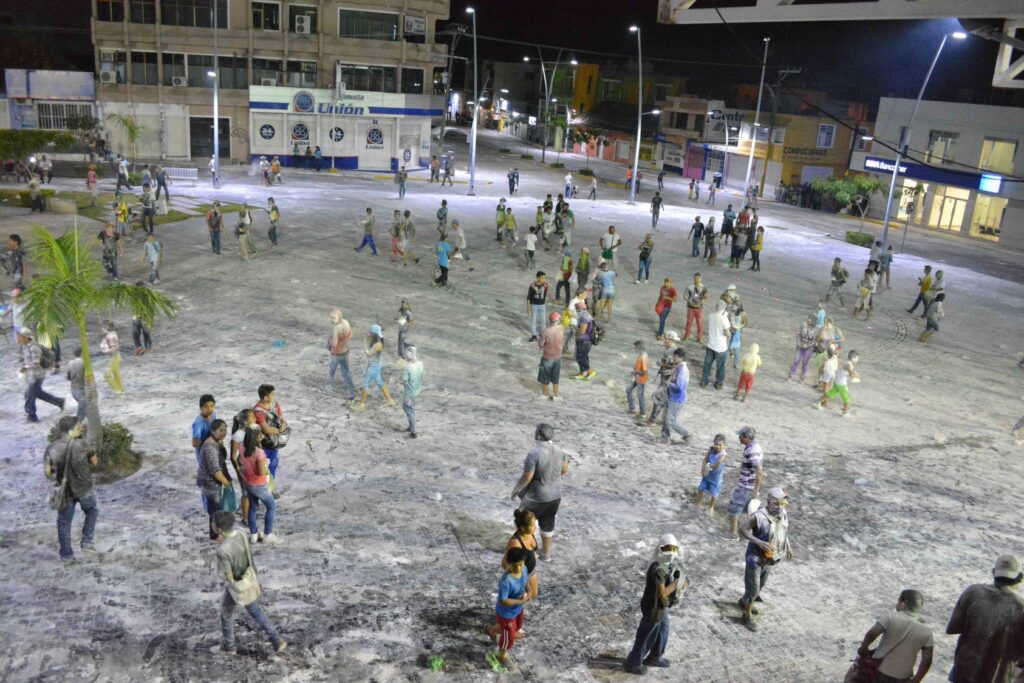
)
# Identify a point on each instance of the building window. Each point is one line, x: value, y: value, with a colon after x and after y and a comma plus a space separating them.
x: 144, y: 71
x: 826, y: 135
x: 174, y: 67
x: 54, y: 115
x: 113, y: 66
x: 859, y: 143
x: 197, y: 13
x: 662, y: 91
x: 266, y: 71
x: 998, y: 155
x: 412, y: 81
x: 368, y: 78
x: 143, y: 11
x: 266, y: 16
x: 301, y: 74
x: 368, y: 25
x: 778, y: 136
x: 941, y: 146
x: 198, y: 65
x: 611, y: 91
x: 234, y: 72
x: 302, y: 19
x: 110, y: 10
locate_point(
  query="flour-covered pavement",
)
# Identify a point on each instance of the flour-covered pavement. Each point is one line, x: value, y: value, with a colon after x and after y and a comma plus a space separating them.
x: 391, y: 546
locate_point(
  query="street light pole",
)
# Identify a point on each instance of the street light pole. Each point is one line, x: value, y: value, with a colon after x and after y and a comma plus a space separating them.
x: 216, y: 103
x: 904, y: 142
x: 757, y: 120
x: 476, y: 111
x: 639, y: 112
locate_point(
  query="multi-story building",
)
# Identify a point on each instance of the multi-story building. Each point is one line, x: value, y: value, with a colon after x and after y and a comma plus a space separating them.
x: 279, y: 62
x: 962, y: 170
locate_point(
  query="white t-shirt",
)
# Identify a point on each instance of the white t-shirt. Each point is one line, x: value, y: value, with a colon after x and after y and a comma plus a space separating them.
x: 531, y: 241
x: 718, y: 327
x: 828, y: 369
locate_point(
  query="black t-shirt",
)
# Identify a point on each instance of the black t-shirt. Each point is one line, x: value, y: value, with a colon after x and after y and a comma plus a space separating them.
x: 109, y: 242
x: 537, y: 294
x: 652, y: 606
x: 656, y: 203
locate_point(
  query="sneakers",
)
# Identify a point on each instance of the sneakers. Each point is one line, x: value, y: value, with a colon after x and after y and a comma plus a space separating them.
x: 591, y: 373
x: 533, y: 338
x: 89, y: 548
x: 661, y: 662
x: 579, y: 376
x: 635, y: 670
x: 412, y: 435
x: 271, y: 539
x: 281, y: 647
x: 254, y: 538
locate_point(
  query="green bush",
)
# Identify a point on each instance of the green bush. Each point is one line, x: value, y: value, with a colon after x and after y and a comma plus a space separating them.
x: 504, y: 150
x: 26, y: 197
x: 861, y: 239
x: 557, y: 165
x: 526, y: 156
x: 135, y: 178
x: 116, y: 458
x: 585, y: 171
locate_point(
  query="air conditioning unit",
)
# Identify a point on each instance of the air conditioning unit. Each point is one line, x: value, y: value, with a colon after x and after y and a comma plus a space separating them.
x: 107, y: 55
x: 303, y: 25
x: 108, y: 76
x: 179, y: 81
x: 268, y: 81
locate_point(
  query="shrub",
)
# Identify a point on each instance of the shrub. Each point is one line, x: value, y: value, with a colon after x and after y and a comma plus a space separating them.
x: 135, y: 178
x: 116, y: 458
x: 585, y: 171
x: 504, y: 150
x: 26, y: 197
x: 526, y: 156
x: 557, y: 165
x: 861, y: 239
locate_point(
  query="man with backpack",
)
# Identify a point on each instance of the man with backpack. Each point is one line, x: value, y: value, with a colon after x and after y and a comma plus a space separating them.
x: 272, y: 423
x: 36, y: 362
x: 767, y: 533
x: 68, y: 462
x: 663, y: 588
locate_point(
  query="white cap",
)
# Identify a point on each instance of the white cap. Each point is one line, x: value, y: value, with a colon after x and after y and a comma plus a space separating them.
x: 778, y: 493
x: 1007, y: 567
x: 731, y: 286
x: 673, y: 335
x: 667, y: 539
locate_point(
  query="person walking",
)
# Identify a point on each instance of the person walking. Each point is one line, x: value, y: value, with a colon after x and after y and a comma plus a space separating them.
x: 663, y: 588
x: 540, y: 486
x: 435, y: 169
x: 584, y: 340
x: 412, y: 384
x: 712, y: 471
x: 162, y: 182
x: 368, y: 224
x: 716, y: 348
x: 568, y: 185
x: 767, y: 533
x: 748, y: 369
x: 243, y: 230
x: 606, y: 277
x: 513, y: 593
x: 593, y: 187
x: 837, y: 278
x: 148, y: 208
x: 449, y: 171
x: 711, y: 193
x: 550, y: 343
x: 442, y: 217
x: 638, y: 381
x: 934, y: 313
x: 643, y: 271
x: 401, y: 178
x: 152, y: 253
x: 408, y: 239
x: 924, y: 284
x: 677, y: 384
x: 751, y: 477
x: 806, y: 340
x: 141, y: 332
x: 666, y: 365
x: 443, y: 251
x: 610, y: 243
x: 988, y: 618
x: 690, y: 195
x: 241, y: 583
x: 565, y: 271
x: 656, y: 203
x: 696, y: 294
x: 16, y: 261
x: 75, y: 374
x: 337, y: 346
x: 68, y: 462
x: 275, y: 216
x: 661, y: 179
x: 499, y: 220
x: 696, y: 234
x: 904, y: 637
x: 215, y: 224
x: 374, y: 348
x: 666, y: 297
x: 110, y: 249
x: 536, y: 301
x: 755, y: 250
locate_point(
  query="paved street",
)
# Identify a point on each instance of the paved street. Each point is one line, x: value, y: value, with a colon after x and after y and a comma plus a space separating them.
x: 392, y: 547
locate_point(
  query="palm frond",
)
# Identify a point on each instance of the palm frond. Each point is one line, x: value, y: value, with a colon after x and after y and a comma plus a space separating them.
x: 142, y: 301
x: 53, y: 304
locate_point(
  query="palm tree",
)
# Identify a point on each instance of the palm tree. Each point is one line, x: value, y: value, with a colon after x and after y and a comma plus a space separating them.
x: 131, y: 128
x: 72, y: 286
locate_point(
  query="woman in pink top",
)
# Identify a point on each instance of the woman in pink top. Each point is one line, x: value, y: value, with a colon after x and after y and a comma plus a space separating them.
x: 92, y: 183
x: 112, y: 347
x: 255, y: 477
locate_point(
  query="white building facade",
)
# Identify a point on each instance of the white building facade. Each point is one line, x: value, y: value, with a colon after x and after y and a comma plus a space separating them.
x: 971, y: 154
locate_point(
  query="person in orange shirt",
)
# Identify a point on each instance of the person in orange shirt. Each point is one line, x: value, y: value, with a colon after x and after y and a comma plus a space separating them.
x: 639, y: 382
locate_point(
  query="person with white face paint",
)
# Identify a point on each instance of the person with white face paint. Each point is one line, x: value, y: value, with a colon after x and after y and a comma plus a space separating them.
x: 665, y: 585
x: 767, y: 531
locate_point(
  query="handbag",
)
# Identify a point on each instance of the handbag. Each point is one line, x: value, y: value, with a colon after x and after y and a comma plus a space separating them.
x: 863, y: 670
x: 246, y: 590
x: 228, y: 500
x: 58, y: 498
x: 659, y: 308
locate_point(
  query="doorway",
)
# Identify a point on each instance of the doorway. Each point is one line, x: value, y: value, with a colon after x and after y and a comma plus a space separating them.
x: 201, y: 137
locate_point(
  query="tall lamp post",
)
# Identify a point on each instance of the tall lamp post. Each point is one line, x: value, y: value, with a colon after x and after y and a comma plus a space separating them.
x: 904, y: 142
x: 639, y: 111
x: 476, y: 111
x: 547, y: 94
x: 757, y: 121
x: 216, y: 103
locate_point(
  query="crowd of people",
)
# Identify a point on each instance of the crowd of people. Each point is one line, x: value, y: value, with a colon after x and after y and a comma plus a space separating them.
x: 987, y: 617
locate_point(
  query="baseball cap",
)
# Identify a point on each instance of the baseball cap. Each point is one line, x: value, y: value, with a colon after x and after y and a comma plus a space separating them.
x: 778, y: 493
x: 1007, y: 567
x: 670, y: 539
x: 731, y: 286
x: 673, y: 335
x: 26, y: 333
x: 746, y: 431
x: 375, y: 329
x: 554, y: 316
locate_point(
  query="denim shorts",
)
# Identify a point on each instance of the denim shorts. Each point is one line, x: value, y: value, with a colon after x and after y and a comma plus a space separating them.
x: 549, y: 370
x: 372, y: 376
x: 740, y: 498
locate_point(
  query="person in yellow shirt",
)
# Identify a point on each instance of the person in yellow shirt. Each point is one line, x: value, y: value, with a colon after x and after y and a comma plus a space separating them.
x: 639, y: 383
x: 748, y: 366
x: 755, y: 250
x: 925, y: 283
x: 123, y: 226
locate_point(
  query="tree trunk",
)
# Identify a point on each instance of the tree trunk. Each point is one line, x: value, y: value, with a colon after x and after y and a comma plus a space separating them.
x: 92, y: 403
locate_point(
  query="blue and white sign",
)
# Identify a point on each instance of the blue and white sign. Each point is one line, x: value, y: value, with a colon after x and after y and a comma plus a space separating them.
x: 300, y: 131
x: 407, y: 155
x: 374, y: 136
x: 337, y: 134
x: 303, y: 101
x: 986, y: 182
x: 267, y: 132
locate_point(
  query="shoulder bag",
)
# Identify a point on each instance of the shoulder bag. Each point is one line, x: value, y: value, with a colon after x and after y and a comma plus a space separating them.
x: 58, y: 498
x: 246, y: 590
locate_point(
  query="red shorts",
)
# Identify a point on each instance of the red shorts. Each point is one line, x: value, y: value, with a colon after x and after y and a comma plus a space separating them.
x: 508, y: 628
x: 746, y: 382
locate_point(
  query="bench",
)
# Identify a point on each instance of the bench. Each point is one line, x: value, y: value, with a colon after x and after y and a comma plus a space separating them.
x: 183, y: 174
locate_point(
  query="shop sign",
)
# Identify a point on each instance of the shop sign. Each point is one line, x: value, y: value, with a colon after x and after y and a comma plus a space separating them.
x: 267, y: 131
x: 337, y: 134
x: 300, y: 131
x: 374, y: 138
x: 303, y: 101
x: 416, y: 25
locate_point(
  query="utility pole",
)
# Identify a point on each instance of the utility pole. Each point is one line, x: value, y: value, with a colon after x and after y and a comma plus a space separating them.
x: 774, y: 90
x: 456, y: 31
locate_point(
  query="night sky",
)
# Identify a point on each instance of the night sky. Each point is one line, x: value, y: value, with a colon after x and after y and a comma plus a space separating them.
x: 859, y: 61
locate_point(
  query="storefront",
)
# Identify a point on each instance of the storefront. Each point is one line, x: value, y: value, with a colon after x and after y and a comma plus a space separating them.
x: 960, y: 202
x: 368, y: 131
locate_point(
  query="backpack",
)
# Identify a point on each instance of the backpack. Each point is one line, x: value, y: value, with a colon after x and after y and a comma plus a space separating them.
x: 596, y: 333
x: 47, y: 358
